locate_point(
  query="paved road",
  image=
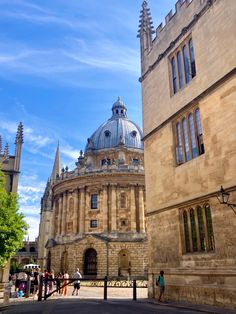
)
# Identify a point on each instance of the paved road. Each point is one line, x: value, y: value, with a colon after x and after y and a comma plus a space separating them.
x: 82, y: 306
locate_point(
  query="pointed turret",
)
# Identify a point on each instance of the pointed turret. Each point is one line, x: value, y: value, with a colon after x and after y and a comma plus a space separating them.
x: 146, y: 30
x: 6, y: 153
x: 56, y: 171
x: 19, y: 141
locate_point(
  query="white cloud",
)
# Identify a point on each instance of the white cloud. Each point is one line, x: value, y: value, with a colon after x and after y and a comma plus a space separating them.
x: 33, y: 230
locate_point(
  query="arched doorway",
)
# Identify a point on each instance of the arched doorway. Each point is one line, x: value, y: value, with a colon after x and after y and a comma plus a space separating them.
x: 124, y: 263
x: 90, y: 262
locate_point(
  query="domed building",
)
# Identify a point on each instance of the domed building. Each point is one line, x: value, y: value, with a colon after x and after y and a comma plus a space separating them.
x: 93, y: 217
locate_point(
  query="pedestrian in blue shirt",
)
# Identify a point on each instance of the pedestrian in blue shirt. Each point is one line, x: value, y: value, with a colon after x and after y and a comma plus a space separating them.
x: 160, y: 281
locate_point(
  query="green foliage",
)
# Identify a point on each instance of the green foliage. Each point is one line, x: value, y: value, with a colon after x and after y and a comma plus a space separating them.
x: 12, y: 224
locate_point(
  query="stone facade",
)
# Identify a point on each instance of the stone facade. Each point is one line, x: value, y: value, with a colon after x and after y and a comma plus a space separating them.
x: 191, y: 235
x: 10, y: 165
x: 93, y: 217
x: 27, y: 254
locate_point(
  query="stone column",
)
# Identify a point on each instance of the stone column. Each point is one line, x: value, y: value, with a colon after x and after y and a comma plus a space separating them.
x: 76, y: 211
x: 64, y: 208
x: 53, y: 219
x: 59, y: 227
x: 105, y: 208
x: 113, y: 208
x: 87, y: 207
x: 81, y: 210
x: 141, y: 210
x: 132, y: 209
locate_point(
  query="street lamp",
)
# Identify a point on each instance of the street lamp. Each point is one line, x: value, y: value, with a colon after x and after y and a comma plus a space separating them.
x: 223, y: 198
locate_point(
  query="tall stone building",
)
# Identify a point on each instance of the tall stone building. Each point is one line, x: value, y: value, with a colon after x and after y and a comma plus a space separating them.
x: 10, y: 165
x: 189, y: 116
x: 93, y: 217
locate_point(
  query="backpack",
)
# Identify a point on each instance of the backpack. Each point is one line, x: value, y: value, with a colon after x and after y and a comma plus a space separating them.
x: 157, y: 280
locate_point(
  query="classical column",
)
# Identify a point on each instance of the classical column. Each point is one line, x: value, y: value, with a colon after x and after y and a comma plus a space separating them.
x: 132, y: 208
x: 87, y: 207
x: 81, y: 209
x: 113, y: 208
x: 53, y: 219
x: 141, y: 210
x: 64, y: 209
x: 105, y: 208
x: 59, y: 229
x: 76, y: 209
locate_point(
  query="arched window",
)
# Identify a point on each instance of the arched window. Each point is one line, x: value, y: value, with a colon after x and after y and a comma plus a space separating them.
x: 199, y: 132
x: 179, y: 62
x: 192, y: 135
x: 179, y: 151
x: 201, y: 229
x: 174, y: 78
x: 186, y: 64
x: 209, y: 228
x: 186, y: 232
x: 186, y: 142
x: 193, y: 230
x: 192, y: 58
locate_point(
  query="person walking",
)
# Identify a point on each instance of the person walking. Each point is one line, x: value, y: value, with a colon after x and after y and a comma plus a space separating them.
x: 65, y: 282
x: 36, y: 282
x: 77, y: 282
x: 160, y: 281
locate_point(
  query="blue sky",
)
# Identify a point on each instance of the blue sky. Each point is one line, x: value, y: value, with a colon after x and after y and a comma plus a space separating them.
x: 62, y: 65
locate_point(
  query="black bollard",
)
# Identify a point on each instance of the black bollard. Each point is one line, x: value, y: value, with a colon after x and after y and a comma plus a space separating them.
x: 134, y: 290
x: 40, y: 288
x: 105, y: 288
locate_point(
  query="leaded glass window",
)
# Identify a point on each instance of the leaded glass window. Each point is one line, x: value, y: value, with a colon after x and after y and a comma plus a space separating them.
x: 192, y: 58
x: 186, y: 64
x: 193, y: 230
x: 174, y: 78
x: 179, y: 152
x: 94, y: 201
x: 186, y: 142
x: 186, y: 232
x: 201, y: 229
x: 180, y: 73
x: 192, y: 135
x: 209, y: 228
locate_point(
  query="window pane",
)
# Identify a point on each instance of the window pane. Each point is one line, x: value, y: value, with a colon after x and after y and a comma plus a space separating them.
x: 174, y: 79
x: 186, y: 64
x: 201, y: 229
x: 209, y: 228
x: 186, y: 232
x: 93, y: 224
x: 94, y: 201
x: 199, y: 132
x: 192, y: 58
x: 192, y: 135
x: 186, y: 143
x: 179, y: 152
x: 179, y: 61
x: 194, y: 230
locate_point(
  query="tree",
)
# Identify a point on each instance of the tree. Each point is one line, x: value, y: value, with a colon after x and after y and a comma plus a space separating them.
x: 12, y: 225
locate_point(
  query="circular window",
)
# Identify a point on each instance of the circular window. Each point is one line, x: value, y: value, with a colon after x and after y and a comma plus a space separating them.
x: 133, y: 133
x: 107, y: 133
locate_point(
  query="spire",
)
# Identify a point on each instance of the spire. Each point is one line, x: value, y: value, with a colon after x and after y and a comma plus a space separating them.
x: 19, y: 134
x: 57, y: 165
x: 6, y: 152
x: 146, y: 29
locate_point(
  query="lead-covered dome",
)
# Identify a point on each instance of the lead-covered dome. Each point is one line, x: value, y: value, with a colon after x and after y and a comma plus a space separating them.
x: 117, y: 131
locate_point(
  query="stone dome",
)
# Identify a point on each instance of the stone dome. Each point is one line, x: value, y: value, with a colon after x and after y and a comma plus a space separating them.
x: 117, y: 131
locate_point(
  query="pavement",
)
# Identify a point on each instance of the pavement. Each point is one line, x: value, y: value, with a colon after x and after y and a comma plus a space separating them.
x: 90, y: 301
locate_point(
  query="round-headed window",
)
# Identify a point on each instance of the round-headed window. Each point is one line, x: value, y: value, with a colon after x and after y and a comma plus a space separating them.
x: 107, y: 133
